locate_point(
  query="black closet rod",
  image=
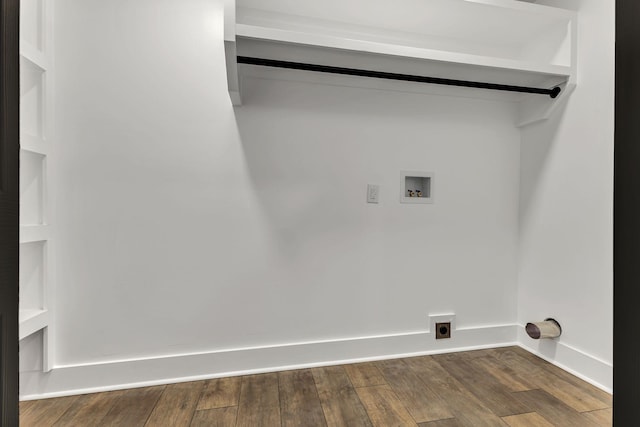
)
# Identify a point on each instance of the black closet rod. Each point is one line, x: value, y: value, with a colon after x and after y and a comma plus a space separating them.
x: 554, y: 92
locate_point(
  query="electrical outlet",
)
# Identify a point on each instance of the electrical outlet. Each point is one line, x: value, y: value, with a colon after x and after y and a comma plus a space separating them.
x: 442, y: 325
x: 373, y: 193
x: 443, y: 330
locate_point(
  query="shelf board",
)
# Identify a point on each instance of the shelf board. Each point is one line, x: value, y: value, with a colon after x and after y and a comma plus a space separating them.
x: 501, y: 42
x: 495, y: 22
x: 34, y: 233
x: 33, y: 144
x: 281, y: 38
x: 31, y: 321
x: 33, y: 55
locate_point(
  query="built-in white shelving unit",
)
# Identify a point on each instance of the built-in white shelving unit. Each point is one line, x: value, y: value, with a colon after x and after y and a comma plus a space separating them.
x: 493, y: 41
x: 36, y: 229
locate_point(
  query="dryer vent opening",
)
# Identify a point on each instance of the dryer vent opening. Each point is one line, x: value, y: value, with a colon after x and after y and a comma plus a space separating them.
x: 550, y: 328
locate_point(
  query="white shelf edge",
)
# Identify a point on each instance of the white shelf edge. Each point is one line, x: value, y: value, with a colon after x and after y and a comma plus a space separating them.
x: 33, y: 55
x: 31, y: 321
x: 319, y: 40
x: 532, y: 8
x: 231, y: 62
x: 233, y: 77
x: 33, y: 144
x: 34, y: 233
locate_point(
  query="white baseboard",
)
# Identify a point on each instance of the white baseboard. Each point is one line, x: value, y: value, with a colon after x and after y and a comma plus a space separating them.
x: 115, y: 375
x: 585, y: 366
x: 121, y: 374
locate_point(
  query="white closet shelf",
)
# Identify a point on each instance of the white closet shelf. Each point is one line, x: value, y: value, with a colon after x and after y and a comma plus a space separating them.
x: 33, y: 145
x: 245, y: 33
x: 34, y: 233
x: 317, y: 49
x: 37, y: 219
x: 37, y: 58
x: 497, y: 42
x: 31, y: 321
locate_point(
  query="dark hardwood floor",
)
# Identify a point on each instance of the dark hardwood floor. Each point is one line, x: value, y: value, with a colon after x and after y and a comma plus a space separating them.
x: 497, y: 387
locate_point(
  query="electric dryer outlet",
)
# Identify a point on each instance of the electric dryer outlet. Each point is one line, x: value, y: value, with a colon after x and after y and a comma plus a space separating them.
x: 442, y: 325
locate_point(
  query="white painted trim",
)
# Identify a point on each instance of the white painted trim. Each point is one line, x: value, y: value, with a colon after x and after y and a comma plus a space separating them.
x: 577, y: 362
x: 48, y: 136
x: 116, y: 375
x: 142, y: 372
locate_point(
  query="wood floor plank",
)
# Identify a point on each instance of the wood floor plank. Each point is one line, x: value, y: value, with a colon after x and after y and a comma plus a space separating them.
x: 89, y: 409
x: 459, y: 389
x: 532, y: 419
x: 536, y: 371
x: 553, y: 409
x: 602, y: 417
x: 176, y: 405
x: 590, y: 389
x: 340, y: 403
x: 220, y: 393
x: 587, y: 388
x: 486, y: 388
x: 259, y: 403
x: 364, y: 374
x: 299, y: 401
x: 465, y: 407
x: 218, y: 417
x: 133, y: 407
x: 384, y: 407
x: 449, y: 422
x: 466, y: 355
x: 45, y: 412
x: 420, y: 400
x: 25, y: 406
x: 504, y: 374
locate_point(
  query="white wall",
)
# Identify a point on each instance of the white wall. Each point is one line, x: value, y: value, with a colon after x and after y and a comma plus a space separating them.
x: 186, y: 226
x: 566, y: 223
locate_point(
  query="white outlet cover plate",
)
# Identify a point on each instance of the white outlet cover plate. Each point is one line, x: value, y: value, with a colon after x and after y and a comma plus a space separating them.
x: 439, y: 318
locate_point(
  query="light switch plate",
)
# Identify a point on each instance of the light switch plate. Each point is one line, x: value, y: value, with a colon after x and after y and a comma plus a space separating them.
x: 373, y: 193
